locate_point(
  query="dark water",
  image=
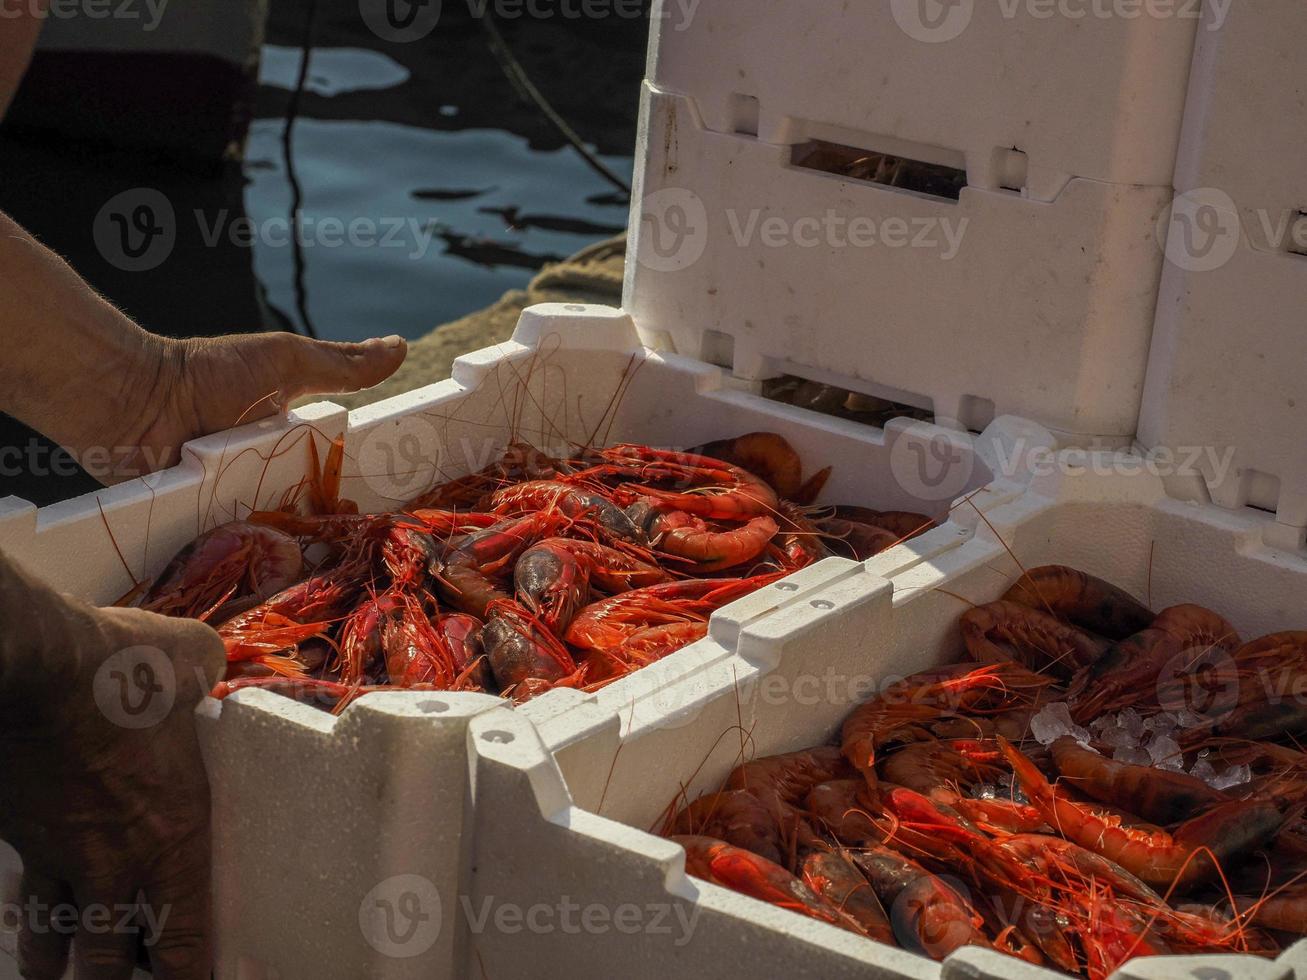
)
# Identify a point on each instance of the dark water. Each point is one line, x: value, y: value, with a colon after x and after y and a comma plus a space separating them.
x: 429, y: 146
x: 429, y: 184
x: 442, y: 221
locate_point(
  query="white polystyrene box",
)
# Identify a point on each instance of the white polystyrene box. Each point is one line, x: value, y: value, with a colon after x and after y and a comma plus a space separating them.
x: 1224, y: 371
x: 1082, y: 89
x: 324, y: 827
x: 1225, y: 378
x: 993, y: 304
x: 585, y: 787
x: 1245, y: 124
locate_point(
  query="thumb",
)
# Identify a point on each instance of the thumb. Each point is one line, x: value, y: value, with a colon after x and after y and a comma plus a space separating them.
x: 197, y: 648
x: 319, y: 367
x: 198, y: 655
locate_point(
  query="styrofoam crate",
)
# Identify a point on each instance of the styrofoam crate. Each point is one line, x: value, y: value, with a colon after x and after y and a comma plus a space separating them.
x: 989, y: 305
x: 1225, y: 387
x: 1082, y: 89
x: 322, y: 825
x: 1245, y: 128
x: 582, y: 789
x: 1223, y: 372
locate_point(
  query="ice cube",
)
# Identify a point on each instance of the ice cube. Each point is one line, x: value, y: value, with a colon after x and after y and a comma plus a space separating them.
x: 1162, y: 723
x: 1118, y: 738
x: 1204, y: 770
x: 1053, y: 721
x: 1131, y: 721
x: 1133, y: 755
x: 1234, y: 776
x: 1165, y: 753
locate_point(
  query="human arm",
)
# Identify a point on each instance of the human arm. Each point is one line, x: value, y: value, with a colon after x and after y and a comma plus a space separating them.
x: 123, y: 400
x: 22, y: 24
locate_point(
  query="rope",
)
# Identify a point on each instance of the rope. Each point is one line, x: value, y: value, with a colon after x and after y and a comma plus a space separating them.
x: 513, y: 69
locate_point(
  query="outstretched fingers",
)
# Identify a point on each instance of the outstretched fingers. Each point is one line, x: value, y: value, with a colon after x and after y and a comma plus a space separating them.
x: 177, y: 911
x: 43, y: 936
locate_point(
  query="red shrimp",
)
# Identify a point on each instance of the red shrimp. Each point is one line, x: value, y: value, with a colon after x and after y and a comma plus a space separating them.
x: 230, y: 561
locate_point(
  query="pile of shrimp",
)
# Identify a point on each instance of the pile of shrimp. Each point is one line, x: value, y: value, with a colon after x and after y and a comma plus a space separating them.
x: 531, y: 574
x: 935, y: 820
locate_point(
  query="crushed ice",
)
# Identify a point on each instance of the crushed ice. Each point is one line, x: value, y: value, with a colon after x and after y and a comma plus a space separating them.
x: 1127, y: 736
x: 1054, y: 721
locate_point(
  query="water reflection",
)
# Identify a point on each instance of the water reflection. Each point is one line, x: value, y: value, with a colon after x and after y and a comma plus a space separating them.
x: 406, y: 228
x: 332, y: 71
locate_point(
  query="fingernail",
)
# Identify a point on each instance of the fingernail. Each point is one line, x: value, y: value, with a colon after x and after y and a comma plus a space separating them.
x: 391, y: 342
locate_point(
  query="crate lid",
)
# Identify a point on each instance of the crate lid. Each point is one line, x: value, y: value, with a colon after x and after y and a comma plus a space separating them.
x: 1082, y: 89
x: 967, y: 302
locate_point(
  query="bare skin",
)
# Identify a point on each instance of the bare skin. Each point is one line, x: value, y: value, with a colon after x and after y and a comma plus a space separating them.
x: 22, y: 23
x: 108, y: 810
x: 122, y: 400
x: 102, y: 787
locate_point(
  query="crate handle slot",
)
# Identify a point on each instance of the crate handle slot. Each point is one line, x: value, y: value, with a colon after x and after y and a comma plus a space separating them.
x: 874, y: 167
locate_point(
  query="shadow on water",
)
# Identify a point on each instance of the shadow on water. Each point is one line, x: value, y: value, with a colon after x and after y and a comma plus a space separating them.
x: 451, y: 186
x: 429, y: 186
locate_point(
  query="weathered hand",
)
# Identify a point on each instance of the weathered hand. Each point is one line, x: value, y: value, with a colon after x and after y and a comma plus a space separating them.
x: 102, y: 787
x: 196, y: 387
x: 122, y: 400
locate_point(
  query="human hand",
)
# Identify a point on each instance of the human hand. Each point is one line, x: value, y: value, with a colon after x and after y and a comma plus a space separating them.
x: 104, y: 793
x: 190, y: 388
x: 122, y: 400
